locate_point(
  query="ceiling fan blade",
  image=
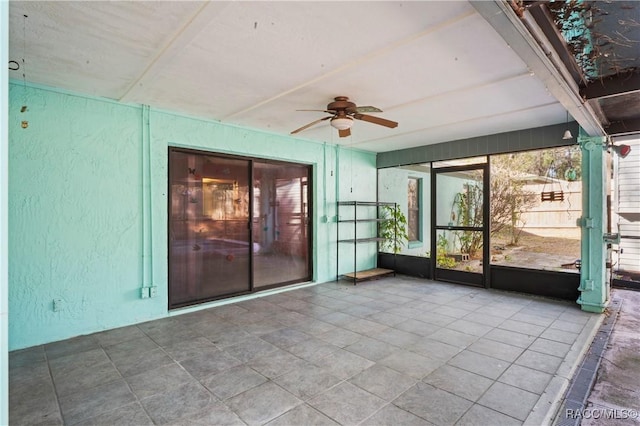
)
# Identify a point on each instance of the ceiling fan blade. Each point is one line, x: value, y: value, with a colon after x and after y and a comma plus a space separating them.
x: 317, y: 110
x: 306, y: 126
x: 344, y: 133
x: 368, y: 109
x: 376, y: 120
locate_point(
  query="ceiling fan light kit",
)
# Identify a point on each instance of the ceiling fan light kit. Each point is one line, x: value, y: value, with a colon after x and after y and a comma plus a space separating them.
x: 344, y: 112
x: 342, y: 123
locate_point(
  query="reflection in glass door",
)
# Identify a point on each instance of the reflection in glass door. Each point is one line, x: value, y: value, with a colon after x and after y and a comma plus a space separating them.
x: 280, y: 224
x: 209, y: 242
x: 459, y: 212
x: 227, y: 237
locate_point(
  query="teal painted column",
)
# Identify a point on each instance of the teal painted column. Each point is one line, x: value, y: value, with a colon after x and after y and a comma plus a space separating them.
x: 594, y: 288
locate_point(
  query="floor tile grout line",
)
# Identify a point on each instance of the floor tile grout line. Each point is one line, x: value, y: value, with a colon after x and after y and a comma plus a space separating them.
x: 179, y: 364
x: 496, y: 380
x: 514, y: 362
x: 53, y: 383
x: 138, y: 400
x: 123, y: 379
x: 195, y: 379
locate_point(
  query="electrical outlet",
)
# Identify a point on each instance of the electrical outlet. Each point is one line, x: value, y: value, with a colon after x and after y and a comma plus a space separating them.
x: 144, y: 292
x: 153, y: 291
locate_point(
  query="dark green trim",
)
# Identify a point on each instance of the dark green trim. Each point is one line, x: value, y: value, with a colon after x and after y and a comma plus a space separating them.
x: 519, y: 140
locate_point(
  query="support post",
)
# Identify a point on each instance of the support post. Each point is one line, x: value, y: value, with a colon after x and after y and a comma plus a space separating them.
x: 594, y: 288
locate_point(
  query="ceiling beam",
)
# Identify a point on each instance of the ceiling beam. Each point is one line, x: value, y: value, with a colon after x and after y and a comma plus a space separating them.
x: 174, y: 45
x: 463, y: 89
x: 385, y: 50
x: 619, y: 84
x: 518, y: 36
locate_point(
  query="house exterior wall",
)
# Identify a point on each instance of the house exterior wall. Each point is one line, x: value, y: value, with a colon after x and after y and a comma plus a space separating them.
x: 88, y: 206
x: 627, y: 205
x: 391, y: 181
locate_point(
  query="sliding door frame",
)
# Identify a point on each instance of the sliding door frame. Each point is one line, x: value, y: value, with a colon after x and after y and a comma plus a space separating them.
x: 308, y: 222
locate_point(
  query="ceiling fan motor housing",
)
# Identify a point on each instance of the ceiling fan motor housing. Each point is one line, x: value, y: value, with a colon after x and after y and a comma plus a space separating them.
x: 341, y: 103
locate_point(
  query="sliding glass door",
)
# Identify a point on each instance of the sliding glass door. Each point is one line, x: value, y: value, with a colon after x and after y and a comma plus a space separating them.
x: 209, y: 242
x: 227, y: 236
x: 280, y: 223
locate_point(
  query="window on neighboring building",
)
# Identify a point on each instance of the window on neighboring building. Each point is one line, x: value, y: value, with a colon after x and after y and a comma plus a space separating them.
x: 413, y: 209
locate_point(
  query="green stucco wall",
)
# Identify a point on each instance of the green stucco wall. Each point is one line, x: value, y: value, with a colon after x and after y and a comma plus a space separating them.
x: 88, y: 206
x: 392, y: 187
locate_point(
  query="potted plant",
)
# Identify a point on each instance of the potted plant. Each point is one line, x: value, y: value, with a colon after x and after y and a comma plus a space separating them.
x: 393, y: 229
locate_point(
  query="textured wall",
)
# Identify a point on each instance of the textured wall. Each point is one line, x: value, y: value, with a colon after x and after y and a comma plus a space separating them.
x: 76, y: 203
x: 392, y: 187
x: 74, y: 216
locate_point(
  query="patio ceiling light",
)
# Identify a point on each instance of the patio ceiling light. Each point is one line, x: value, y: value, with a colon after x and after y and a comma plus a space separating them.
x: 567, y: 133
x: 621, y: 150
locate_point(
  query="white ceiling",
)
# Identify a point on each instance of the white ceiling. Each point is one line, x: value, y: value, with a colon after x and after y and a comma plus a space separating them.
x: 437, y: 68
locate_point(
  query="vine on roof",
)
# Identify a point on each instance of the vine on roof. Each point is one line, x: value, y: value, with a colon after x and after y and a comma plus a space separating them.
x: 596, y: 53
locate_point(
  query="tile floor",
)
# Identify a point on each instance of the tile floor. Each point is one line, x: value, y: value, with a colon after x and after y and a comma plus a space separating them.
x: 396, y: 351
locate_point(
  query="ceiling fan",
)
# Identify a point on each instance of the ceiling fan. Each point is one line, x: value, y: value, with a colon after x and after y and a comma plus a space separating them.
x: 343, y: 112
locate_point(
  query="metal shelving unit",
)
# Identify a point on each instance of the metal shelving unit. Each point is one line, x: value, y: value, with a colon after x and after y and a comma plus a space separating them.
x: 376, y: 272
